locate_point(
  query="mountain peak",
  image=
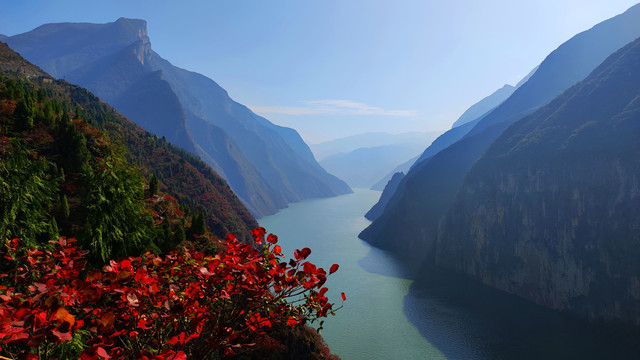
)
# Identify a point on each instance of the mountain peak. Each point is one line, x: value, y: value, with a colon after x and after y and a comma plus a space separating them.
x: 135, y: 28
x: 266, y: 164
x: 135, y: 25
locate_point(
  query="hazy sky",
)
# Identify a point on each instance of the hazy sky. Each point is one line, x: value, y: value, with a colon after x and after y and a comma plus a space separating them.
x: 331, y: 68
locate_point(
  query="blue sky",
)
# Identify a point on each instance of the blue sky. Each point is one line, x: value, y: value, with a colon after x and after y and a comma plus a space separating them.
x: 332, y: 68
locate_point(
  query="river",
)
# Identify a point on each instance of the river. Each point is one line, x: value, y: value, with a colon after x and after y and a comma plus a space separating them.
x: 441, y: 316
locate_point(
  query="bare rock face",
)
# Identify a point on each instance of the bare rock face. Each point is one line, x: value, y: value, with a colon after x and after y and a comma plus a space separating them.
x: 551, y: 212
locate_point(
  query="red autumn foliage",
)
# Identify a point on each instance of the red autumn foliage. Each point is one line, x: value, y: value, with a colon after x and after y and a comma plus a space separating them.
x: 183, y: 305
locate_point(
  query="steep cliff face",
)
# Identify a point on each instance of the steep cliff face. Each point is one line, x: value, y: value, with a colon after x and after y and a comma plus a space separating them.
x: 265, y: 164
x: 62, y: 48
x: 410, y: 220
x: 389, y: 189
x: 551, y: 211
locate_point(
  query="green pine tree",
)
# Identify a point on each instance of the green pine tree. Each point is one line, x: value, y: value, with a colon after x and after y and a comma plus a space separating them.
x: 64, y: 207
x: 179, y: 235
x: 198, y: 226
x: 153, y: 185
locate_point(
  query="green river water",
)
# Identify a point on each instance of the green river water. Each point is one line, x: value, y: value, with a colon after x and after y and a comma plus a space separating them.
x: 388, y: 316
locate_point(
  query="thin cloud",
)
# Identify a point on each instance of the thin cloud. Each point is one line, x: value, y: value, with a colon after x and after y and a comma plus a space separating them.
x: 288, y: 110
x: 334, y: 107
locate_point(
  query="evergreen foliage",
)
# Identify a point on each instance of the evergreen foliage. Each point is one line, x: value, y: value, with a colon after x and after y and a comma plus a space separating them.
x: 117, y: 223
x: 64, y: 207
x: 66, y: 157
x: 39, y: 141
x: 27, y: 189
x: 198, y: 226
x: 153, y: 185
x: 179, y: 235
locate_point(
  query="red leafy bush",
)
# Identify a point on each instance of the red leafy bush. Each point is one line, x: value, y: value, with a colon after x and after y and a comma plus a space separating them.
x: 182, y: 305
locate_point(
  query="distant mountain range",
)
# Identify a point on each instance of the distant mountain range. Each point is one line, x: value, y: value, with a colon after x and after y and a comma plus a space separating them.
x: 362, y: 160
x: 400, y: 169
x: 487, y: 104
x: 460, y: 127
x: 363, y: 167
x: 266, y: 165
x: 535, y: 199
x: 417, y: 140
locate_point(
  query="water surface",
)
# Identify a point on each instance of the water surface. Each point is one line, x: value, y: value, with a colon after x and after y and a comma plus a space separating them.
x: 440, y: 315
x: 372, y: 324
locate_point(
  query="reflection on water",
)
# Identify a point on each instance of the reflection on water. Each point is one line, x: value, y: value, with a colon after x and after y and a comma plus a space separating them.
x: 454, y: 312
x: 440, y: 315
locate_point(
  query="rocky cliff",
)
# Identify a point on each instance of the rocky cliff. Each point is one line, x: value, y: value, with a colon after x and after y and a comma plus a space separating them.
x: 388, y: 191
x: 266, y: 165
x: 410, y: 221
x: 551, y: 211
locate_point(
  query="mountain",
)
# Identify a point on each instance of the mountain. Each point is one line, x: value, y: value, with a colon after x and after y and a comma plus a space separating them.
x: 440, y: 143
x: 551, y: 211
x: 362, y: 160
x: 388, y: 191
x: 483, y: 106
x: 466, y: 122
x: 72, y: 164
x: 409, y: 223
x: 402, y: 168
x: 416, y: 140
x: 460, y: 127
x: 265, y: 164
x: 362, y: 167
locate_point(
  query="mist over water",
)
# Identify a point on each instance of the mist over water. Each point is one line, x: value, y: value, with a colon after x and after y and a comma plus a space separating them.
x: 440, y: 316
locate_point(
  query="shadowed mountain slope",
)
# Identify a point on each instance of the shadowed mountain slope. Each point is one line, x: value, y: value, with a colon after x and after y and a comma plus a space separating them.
x: 266, y: 165
x: 460, y: 128
x: 410, y: 221
x: 551, y: 211
x: 96, y: 132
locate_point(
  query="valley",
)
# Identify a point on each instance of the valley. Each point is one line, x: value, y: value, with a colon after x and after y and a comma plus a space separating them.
x: 320, y: 180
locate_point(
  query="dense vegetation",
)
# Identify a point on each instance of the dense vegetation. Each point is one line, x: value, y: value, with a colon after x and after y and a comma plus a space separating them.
x: 183, y: 305
x: 70, y: 165
x: 266, y: 165
x: 68, y: 155
x: 62, y: 175
x: 179, y: 173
